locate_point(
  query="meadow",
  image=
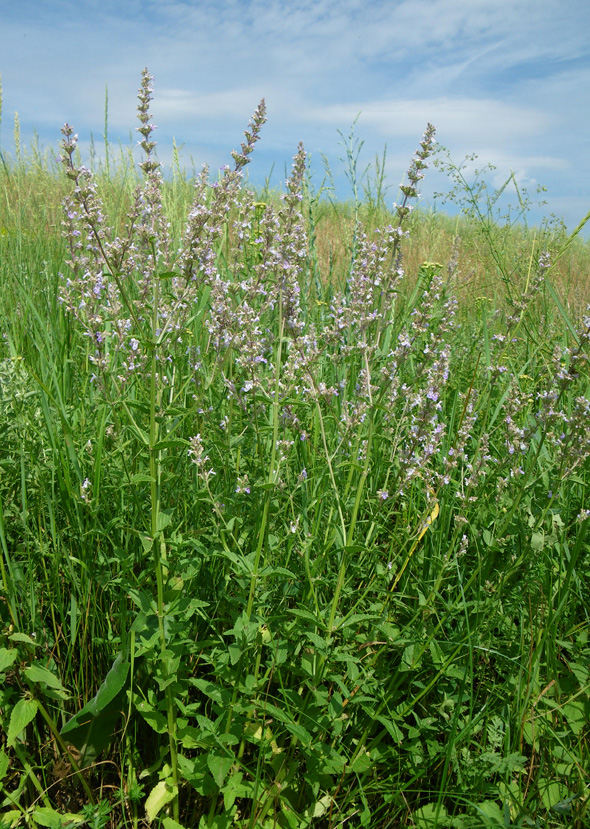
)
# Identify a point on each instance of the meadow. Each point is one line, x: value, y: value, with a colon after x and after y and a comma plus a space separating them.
x: 293, y: 500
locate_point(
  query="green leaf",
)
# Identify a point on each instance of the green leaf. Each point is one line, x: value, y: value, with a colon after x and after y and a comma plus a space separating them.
x: 22, y: 714
x: 3, y: 763
x: 141, y: 478
x: 553, y: 793
x: 164, y: 520
x: 354, y: 619
x: 171, y: 443
x: 113, y: 683
x: 218, y: 822
x: 233, y: 789
x: 7, y: 657
x: 361, y: 763
x: 276, y: 571
x: 39, y: 674
x: 22, y: 637
x: 93, y: 727
x: 576, y: 713
x: 307, y: 615
x: 212, y: 690
x: 491, y: 813
x: 154, y: 718
x: 171, y: 824
x: 162, y: 793
x: 409, y: 662
x: 320, y: 807
x: 391, y: 728
x: 189, y: 737
x: 292, y: 727
x: 46, y: 816
x: 196, y: 773
x: 430, y: 816
x: 564, y: 807
x: 219, y: 766
x: 146, y: 542
x: 320, y: 644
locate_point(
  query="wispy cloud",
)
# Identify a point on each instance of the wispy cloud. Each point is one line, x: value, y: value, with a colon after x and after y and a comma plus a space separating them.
x: 506, y: 79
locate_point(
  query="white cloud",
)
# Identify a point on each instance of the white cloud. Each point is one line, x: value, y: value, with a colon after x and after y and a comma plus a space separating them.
x: 463, y: 121
x: 506, y: 79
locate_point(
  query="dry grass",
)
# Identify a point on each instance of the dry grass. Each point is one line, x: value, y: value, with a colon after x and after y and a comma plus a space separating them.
x: 486, y: 262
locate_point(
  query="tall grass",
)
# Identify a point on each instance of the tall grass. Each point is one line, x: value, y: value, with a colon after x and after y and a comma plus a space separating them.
x: 293, y: 504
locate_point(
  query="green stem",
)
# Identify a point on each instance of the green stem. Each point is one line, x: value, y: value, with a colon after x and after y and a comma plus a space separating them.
x: 52, y: 727
x: 353, y: 519
x: 160, y: 557
x: 271, y: 471
x: 32, y: 776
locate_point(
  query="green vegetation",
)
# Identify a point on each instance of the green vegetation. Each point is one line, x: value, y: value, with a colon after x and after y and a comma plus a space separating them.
x: 293, y: 506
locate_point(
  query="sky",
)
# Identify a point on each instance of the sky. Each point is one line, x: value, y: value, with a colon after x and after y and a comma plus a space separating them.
x: 507, y: 80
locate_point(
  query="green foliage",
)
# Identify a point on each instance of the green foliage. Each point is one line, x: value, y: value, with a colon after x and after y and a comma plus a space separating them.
x: 374, y: 612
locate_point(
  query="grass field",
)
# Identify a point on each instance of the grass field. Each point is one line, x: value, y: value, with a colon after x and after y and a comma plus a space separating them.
x: 293, y: 503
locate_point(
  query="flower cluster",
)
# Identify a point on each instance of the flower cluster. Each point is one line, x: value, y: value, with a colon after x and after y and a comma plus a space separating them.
x: 239, y: 266
x: 133, y: 293
x: 416, y: 173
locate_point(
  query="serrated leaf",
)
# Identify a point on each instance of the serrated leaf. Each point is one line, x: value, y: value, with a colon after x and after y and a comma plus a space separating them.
x: 305, y: 614
x: 39, y: 674
x: 141, y: 478
x: 316, y: 640
x: 219, y: 766
x: 490, y: 810
x: 430, y: 816
x: 171, y: 824
x: 354, y: 619
x: 164, y: 520
x: 22, y: 637
x: 22, y: 714
x: 212, y: 690
x: 46, y: 816
x: 154, y: 718
x: 171, y: 443
x: 277, y: 571
x: 162, y: 793
x: 576, y: 714
x: 146, y: 542
x: 7, y: 657
x: 3, y: 763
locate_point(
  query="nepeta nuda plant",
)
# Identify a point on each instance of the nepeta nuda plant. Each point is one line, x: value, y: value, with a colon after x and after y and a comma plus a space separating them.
x: 133, y: 294
x: 274, y: 397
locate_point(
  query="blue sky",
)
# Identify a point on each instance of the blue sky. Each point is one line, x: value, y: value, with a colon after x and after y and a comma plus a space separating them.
x: 508, y: 80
